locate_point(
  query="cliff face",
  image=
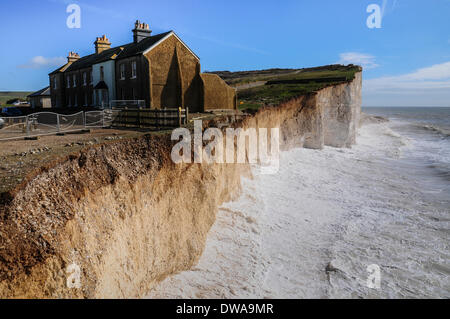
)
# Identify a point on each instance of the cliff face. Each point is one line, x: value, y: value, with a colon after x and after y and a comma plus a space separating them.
x: 342, y: 111
x: 126, y: 216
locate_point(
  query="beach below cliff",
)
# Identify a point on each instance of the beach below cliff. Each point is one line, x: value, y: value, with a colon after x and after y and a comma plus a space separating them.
x: 317, y: 227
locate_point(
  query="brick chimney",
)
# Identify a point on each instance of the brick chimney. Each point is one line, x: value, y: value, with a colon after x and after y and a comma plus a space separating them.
x: 141, y: 31
x: 102, y: 44
x: 72, y: 57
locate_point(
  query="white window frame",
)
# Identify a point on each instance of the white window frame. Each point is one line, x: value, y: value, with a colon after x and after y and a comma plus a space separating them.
x: 75, y: 104
x: 122, y: 71
x: 84, y: 79
x: 133, y: 69
x: 55, y: 84
x: 68, y: 82
x: 74, y: 80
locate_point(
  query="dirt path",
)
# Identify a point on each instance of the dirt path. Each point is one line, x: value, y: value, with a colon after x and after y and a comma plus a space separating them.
x: 250, y: 85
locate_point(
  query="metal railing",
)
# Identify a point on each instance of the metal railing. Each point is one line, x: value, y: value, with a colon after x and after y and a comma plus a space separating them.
x: 38, y: 124
x: 49, y: 123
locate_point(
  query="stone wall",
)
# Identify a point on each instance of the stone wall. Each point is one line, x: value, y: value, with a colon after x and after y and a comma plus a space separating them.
x: 217, y: 94
x: 174, y: 76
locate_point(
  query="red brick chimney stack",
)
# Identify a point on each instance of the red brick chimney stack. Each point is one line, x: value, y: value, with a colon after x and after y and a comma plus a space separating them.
x: 102, y: 44
x: 72, y: 57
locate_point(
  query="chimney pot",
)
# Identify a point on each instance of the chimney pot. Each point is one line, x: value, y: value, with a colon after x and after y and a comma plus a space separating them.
x: 102, y: 44
x: 141, y: 31
x: 72, y: 57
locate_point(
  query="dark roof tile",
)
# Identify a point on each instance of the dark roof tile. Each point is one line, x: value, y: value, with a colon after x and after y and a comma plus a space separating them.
x: 133, y: 49
x: 43, y: 92
x: 119, y: 52
x: 89, y: 60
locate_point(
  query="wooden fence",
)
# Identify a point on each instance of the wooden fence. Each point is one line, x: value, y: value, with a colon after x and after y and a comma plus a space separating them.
x: 147, y: 118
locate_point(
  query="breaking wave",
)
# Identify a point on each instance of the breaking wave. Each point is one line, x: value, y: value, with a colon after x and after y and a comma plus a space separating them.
x: 312, y: 230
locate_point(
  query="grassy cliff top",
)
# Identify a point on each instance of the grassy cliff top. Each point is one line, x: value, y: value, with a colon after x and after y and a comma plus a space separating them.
x: 6, y: 96
x: 275, y: 86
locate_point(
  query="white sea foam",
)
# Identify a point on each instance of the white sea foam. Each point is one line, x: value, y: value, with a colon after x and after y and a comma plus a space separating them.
x: 348, y: 207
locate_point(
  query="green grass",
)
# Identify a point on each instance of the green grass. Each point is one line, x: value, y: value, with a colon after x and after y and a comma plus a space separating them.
x: 5, y: 96
x: 269, y: 95
x: 249, y: 106
x: 348, y: 73
x: 244, y: 77
x: 251, y: 79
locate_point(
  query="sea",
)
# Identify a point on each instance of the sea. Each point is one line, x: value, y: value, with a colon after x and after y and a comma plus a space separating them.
x: 428, y: 131
x: 371, y: 221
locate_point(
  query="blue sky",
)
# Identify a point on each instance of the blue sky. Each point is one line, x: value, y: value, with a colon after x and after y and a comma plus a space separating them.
x: 407, y: 60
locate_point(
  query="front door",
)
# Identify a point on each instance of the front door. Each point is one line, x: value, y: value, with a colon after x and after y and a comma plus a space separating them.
x: 105, y: 98
x: 102, y: 97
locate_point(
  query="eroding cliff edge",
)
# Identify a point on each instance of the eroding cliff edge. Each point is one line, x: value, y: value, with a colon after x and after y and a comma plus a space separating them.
x: 127, y: 216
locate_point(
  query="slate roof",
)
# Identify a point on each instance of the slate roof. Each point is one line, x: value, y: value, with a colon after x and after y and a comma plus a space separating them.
x: 133, y: 49
x: 89, y: 60
x: 119, y: 52
x: 43, y: 92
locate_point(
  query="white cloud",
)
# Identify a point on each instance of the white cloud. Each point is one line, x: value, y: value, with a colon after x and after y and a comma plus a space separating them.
x: 41, y: 62
x: 367, y: 61
x: 433, y: 77
x: 430, y: 84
